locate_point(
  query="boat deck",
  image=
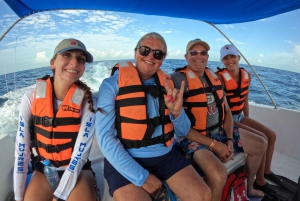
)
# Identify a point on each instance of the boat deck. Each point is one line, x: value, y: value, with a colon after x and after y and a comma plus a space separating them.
x: 285, y: 166
x: 281, y: 165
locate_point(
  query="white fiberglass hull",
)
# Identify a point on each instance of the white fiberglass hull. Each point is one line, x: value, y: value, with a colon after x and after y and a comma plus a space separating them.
x: 286, y: 160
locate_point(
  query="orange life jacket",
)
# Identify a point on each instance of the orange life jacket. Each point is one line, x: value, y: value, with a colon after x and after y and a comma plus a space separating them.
x: 195, y: 103
x: 235, y: 93
x: 134, y: 128
x: 54, y: 134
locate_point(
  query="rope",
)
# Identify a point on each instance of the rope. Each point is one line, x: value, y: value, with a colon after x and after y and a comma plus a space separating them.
x: 247, y: 63
x: 5, y: 72
x: 16, y: 57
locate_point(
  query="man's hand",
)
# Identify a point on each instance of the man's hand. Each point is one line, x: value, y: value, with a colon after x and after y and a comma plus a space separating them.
x: 229, y: 145
x: 222, y: 151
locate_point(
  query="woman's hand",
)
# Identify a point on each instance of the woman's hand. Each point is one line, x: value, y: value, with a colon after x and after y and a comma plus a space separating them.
x: 152, y: 185
x: 174, y: 98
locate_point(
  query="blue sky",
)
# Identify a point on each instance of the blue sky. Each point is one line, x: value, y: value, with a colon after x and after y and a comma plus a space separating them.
x: 271, y: 42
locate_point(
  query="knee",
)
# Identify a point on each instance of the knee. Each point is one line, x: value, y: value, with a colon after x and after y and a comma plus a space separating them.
x: 271, y: 137
x: 219, y: 176
x: 205, y: 194
x: 262, y: 145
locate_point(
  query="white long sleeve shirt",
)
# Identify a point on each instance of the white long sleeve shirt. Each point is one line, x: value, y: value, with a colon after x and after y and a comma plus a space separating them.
x: 79, y: 156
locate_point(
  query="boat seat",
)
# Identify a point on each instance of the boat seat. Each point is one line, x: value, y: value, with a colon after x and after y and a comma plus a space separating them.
x: 7, y: 163
x: 96, y: 157
x: 239, y: 159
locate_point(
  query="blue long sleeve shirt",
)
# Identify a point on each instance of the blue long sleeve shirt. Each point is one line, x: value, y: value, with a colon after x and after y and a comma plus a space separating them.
x: 110, y: 145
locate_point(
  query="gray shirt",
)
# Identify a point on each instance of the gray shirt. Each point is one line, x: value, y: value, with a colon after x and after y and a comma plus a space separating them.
x: 212, y: 109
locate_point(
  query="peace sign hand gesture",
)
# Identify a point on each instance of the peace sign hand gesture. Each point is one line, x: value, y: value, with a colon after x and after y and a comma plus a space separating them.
x: 174, y: 98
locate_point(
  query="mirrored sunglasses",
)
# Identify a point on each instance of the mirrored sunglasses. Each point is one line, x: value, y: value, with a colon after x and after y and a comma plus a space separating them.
x: 157, y: 54
x: 194, y: 53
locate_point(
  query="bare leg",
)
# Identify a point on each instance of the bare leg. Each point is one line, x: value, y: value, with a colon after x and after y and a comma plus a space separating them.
x: 260, y: 179
x: 271, y: 135
x: 188, y: 185
x: 84, y: 188
x: 131, y: 192
x: 255, y: 146
x: 38, y: 188
x: 214, y: 170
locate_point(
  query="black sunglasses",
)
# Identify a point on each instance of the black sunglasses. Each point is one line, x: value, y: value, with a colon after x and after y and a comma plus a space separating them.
x: 157, y: 54
x: 194, y: 53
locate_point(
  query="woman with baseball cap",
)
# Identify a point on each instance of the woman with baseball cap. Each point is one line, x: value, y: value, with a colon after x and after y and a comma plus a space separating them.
x: 56, y: 122
x: 236, y: 83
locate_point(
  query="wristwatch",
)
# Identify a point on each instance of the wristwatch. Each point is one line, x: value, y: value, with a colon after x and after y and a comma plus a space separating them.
x: 58, y: 199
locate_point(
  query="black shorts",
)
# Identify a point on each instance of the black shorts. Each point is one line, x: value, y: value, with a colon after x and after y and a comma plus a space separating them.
x: 162, y: 166
x: 40, y: 168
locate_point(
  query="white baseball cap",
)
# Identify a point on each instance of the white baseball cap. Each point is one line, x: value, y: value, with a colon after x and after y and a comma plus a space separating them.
x: 228, y: 49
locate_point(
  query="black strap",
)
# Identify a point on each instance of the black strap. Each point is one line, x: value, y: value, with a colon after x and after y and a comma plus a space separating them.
x: 237, y: 92
x: 237, y: 112
x: 55, y: 148
x: 130, y: 102
x: 47, y: 121
x: 143, y: 143
x: 155, y: 91
x: 60, y: 163
x: 213, y: 127
x: 55, y: 135
x: 114, y: 69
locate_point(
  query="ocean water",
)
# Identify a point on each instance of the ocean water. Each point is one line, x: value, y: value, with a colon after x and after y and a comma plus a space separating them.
x: 282, y: 85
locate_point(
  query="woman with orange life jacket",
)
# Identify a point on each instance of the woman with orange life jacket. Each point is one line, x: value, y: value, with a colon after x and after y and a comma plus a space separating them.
x: 56, y: 122
x: 236, y: 83
x: 139, y: 114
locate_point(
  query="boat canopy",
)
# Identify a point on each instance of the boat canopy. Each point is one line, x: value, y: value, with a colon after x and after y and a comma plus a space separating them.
x: 212, y: 11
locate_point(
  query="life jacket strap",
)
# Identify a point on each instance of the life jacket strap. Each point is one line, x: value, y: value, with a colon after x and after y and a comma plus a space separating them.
x: 143, y: 143
x: 55, y: 148
x: 47, y: 121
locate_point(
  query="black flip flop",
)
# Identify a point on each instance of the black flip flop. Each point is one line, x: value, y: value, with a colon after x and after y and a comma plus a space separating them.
x: 282, y: 181
x: 277, y: 191
x: 268, y: 197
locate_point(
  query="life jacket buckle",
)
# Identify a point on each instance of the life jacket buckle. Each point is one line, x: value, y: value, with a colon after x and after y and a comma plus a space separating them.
x: 212, y: 89
x: 46, y: 121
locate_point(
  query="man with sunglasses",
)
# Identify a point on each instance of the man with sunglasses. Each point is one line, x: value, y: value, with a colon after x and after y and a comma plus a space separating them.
x: 212, y: 139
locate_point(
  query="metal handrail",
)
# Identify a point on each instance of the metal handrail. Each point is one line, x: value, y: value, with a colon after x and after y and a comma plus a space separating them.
x: 275, y: 107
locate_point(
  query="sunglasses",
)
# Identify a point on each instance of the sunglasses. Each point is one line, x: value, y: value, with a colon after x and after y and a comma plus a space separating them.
x: 194, y: 53
x: 157, y: 54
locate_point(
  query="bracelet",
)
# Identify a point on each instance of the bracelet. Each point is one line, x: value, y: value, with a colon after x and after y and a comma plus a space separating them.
x: 212, y: 144
x: 230, y: 140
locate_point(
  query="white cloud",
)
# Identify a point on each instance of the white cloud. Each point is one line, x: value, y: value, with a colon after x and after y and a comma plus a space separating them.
x: 167, y: 32
x: 172, y: 54
x: 229, y: 26
x: 225, y: 41
x: 74, y: 12
x: 297, y: 51
x: 289, y: 41
x: 62, y: 15
x: 41, y: 57
x: 260, y: 56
